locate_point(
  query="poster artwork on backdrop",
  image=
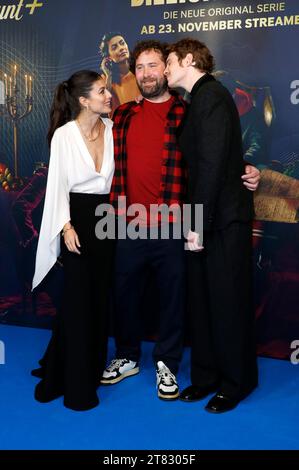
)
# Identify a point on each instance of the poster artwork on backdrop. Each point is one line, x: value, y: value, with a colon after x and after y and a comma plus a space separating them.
x: 256, y: 59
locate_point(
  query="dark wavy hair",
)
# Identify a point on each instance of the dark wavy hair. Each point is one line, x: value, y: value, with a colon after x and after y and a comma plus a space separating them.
x: 202, y: 56
x: 148, y: 45
x: 66, y: 106
x: 104, y: 43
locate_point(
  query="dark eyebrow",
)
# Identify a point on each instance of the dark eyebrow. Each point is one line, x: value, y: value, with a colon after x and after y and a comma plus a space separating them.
x: 150, y: 63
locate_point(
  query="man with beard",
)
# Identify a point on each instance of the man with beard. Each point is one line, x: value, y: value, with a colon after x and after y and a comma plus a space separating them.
x: 149, y: 170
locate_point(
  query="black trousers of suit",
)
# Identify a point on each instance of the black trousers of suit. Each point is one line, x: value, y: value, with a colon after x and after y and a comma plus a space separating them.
x: 166, y: 258
x: 222, y: 315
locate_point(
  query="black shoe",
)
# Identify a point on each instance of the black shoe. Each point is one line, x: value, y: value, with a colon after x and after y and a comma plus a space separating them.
x: 220, y: 403
x: 195, y: 393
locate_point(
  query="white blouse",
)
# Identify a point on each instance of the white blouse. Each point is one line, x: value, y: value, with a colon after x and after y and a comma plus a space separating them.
x: 71, y: 169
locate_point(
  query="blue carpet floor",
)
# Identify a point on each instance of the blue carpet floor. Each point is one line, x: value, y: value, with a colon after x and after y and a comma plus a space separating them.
x: 130, y: 416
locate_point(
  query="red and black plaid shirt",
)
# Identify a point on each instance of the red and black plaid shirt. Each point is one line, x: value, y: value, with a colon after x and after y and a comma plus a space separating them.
x: 173, y: 172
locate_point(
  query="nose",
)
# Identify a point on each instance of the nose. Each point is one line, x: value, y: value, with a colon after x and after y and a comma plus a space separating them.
x: 146, y: 72
x: 108, y: 94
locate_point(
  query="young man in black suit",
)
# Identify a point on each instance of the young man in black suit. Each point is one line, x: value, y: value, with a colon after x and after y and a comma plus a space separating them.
x: 223, y: 358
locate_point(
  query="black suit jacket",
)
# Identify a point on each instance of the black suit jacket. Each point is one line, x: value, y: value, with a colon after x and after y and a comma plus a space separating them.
x: 211, y: 141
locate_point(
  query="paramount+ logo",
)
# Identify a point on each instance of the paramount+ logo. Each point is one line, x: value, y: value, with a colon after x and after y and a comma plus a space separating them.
x: 295, y: 93
x: 150, y: 3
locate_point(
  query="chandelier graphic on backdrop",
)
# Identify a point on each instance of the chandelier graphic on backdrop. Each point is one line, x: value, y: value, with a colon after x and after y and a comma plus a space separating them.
x: 15, y: 109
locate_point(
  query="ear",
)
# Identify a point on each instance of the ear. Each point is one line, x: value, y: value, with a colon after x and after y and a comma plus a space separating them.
x: 83, y: 101
x: 188, y: 60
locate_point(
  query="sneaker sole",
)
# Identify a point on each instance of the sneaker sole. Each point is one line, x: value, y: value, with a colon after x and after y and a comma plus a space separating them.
x: 168, y: 397
x: 129, y: 373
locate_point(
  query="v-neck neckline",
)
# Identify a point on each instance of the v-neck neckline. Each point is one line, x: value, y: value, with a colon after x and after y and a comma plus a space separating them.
x: 87, y: 152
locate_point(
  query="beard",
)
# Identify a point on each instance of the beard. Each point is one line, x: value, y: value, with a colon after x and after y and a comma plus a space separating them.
x: 157, y: 89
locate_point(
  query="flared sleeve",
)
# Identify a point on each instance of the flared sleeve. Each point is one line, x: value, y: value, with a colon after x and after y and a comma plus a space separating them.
x: 56, y: 208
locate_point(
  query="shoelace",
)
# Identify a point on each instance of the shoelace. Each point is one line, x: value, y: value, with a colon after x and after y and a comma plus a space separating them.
x: 116, y: 363
x: 166, y: 377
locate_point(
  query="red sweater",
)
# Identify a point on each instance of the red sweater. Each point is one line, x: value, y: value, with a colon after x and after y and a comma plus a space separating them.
x: 145, y: 143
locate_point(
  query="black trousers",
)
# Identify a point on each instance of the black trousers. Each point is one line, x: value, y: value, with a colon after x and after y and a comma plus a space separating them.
x: 76, y: 354
x: 134, y: 258
x: 222, y: 315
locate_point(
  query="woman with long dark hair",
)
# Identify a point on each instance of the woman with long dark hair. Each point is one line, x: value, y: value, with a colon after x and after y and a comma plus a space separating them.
x: 80, y: 174
x: 115, y: 63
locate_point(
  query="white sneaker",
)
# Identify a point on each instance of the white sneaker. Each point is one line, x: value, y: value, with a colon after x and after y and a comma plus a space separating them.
x: 166, y: 383
x: 118, y: 370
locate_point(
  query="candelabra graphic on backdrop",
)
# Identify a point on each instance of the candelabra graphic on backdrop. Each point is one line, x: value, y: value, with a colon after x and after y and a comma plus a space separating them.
x: 17, y: 106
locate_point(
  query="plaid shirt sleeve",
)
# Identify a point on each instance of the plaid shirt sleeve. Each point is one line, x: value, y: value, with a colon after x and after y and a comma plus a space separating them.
x: 173, y: 171
x: 121, y: 119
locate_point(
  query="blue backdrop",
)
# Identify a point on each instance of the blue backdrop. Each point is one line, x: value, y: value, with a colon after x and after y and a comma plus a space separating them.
x: 255, y: 47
